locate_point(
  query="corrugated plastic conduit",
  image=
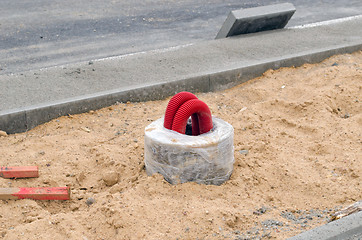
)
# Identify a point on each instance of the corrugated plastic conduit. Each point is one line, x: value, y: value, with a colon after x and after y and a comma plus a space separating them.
x: 181, y: 107
x: 206, y: 157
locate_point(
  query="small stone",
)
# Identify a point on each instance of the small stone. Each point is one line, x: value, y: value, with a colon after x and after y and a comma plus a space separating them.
x: 335, y: 64
x: 243, y: 109
x: 244, y: 152
x: 90, y: 201
x: 41, y: 153
x: 3, y: 134
x: 85, y: 129
x: 110, y: 178
x: 260, y: 211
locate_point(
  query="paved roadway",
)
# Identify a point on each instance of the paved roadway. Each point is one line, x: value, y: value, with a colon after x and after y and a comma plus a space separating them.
x: 42, y: 33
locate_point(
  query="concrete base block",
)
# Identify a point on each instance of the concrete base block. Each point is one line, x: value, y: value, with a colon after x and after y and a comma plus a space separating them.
x: 257, y: 19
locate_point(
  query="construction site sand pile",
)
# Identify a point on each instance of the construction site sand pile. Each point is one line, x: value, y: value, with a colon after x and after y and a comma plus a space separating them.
x: 297, y: 160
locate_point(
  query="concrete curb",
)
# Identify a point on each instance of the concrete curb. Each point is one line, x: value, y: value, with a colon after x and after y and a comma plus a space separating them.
x: 23, y: 119
x: 347, y: 228
x: 251, y: 20
x: 203, y: 67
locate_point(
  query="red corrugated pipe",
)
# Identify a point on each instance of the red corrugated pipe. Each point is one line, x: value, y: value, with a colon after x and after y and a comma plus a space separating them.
x: 181, y: 107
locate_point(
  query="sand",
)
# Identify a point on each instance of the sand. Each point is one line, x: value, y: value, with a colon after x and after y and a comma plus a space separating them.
x: 298, y: 158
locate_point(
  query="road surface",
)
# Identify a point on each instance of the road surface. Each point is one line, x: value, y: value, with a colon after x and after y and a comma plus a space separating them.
x: 41, y: 33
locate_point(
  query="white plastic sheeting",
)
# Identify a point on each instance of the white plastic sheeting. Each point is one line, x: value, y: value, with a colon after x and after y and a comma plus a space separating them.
x: 207, y: 158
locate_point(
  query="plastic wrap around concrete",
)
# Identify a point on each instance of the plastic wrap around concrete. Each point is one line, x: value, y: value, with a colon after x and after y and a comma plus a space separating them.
x: 205, y: 159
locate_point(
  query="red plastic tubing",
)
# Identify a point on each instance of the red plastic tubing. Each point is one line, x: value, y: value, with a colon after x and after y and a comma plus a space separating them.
x: 181, y: 107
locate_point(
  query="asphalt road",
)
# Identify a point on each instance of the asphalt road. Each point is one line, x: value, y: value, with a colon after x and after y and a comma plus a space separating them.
x: 41, y: 33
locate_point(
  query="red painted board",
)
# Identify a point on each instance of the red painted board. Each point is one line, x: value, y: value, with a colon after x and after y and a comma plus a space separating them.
x: 19, y: 172
x: 40, y: 193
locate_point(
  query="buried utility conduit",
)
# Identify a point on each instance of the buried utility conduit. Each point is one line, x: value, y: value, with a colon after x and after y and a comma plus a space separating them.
x: 181, y: 107
x: 173, y: 105
x: 203, y: 122
x: 207, y: 157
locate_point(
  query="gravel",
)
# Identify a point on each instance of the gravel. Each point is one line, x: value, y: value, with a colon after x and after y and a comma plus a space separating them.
x: 261, y: 210
x: 288, y: 220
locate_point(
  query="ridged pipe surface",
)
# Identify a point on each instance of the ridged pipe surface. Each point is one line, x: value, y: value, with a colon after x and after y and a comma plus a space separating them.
x: 191, y: 108
x: 173, y: 105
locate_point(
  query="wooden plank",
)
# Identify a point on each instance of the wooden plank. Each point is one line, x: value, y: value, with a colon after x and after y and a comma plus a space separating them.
x: 19, y: 172
x: 40, y: 193
x: 356, y: 207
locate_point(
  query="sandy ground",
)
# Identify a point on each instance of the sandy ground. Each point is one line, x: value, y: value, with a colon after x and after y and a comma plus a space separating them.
x: 298, y: 158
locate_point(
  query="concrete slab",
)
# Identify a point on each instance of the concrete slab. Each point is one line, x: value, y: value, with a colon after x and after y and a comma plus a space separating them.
x: 30, y: 98
x: 256, y: 19
x: 347, y: 228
